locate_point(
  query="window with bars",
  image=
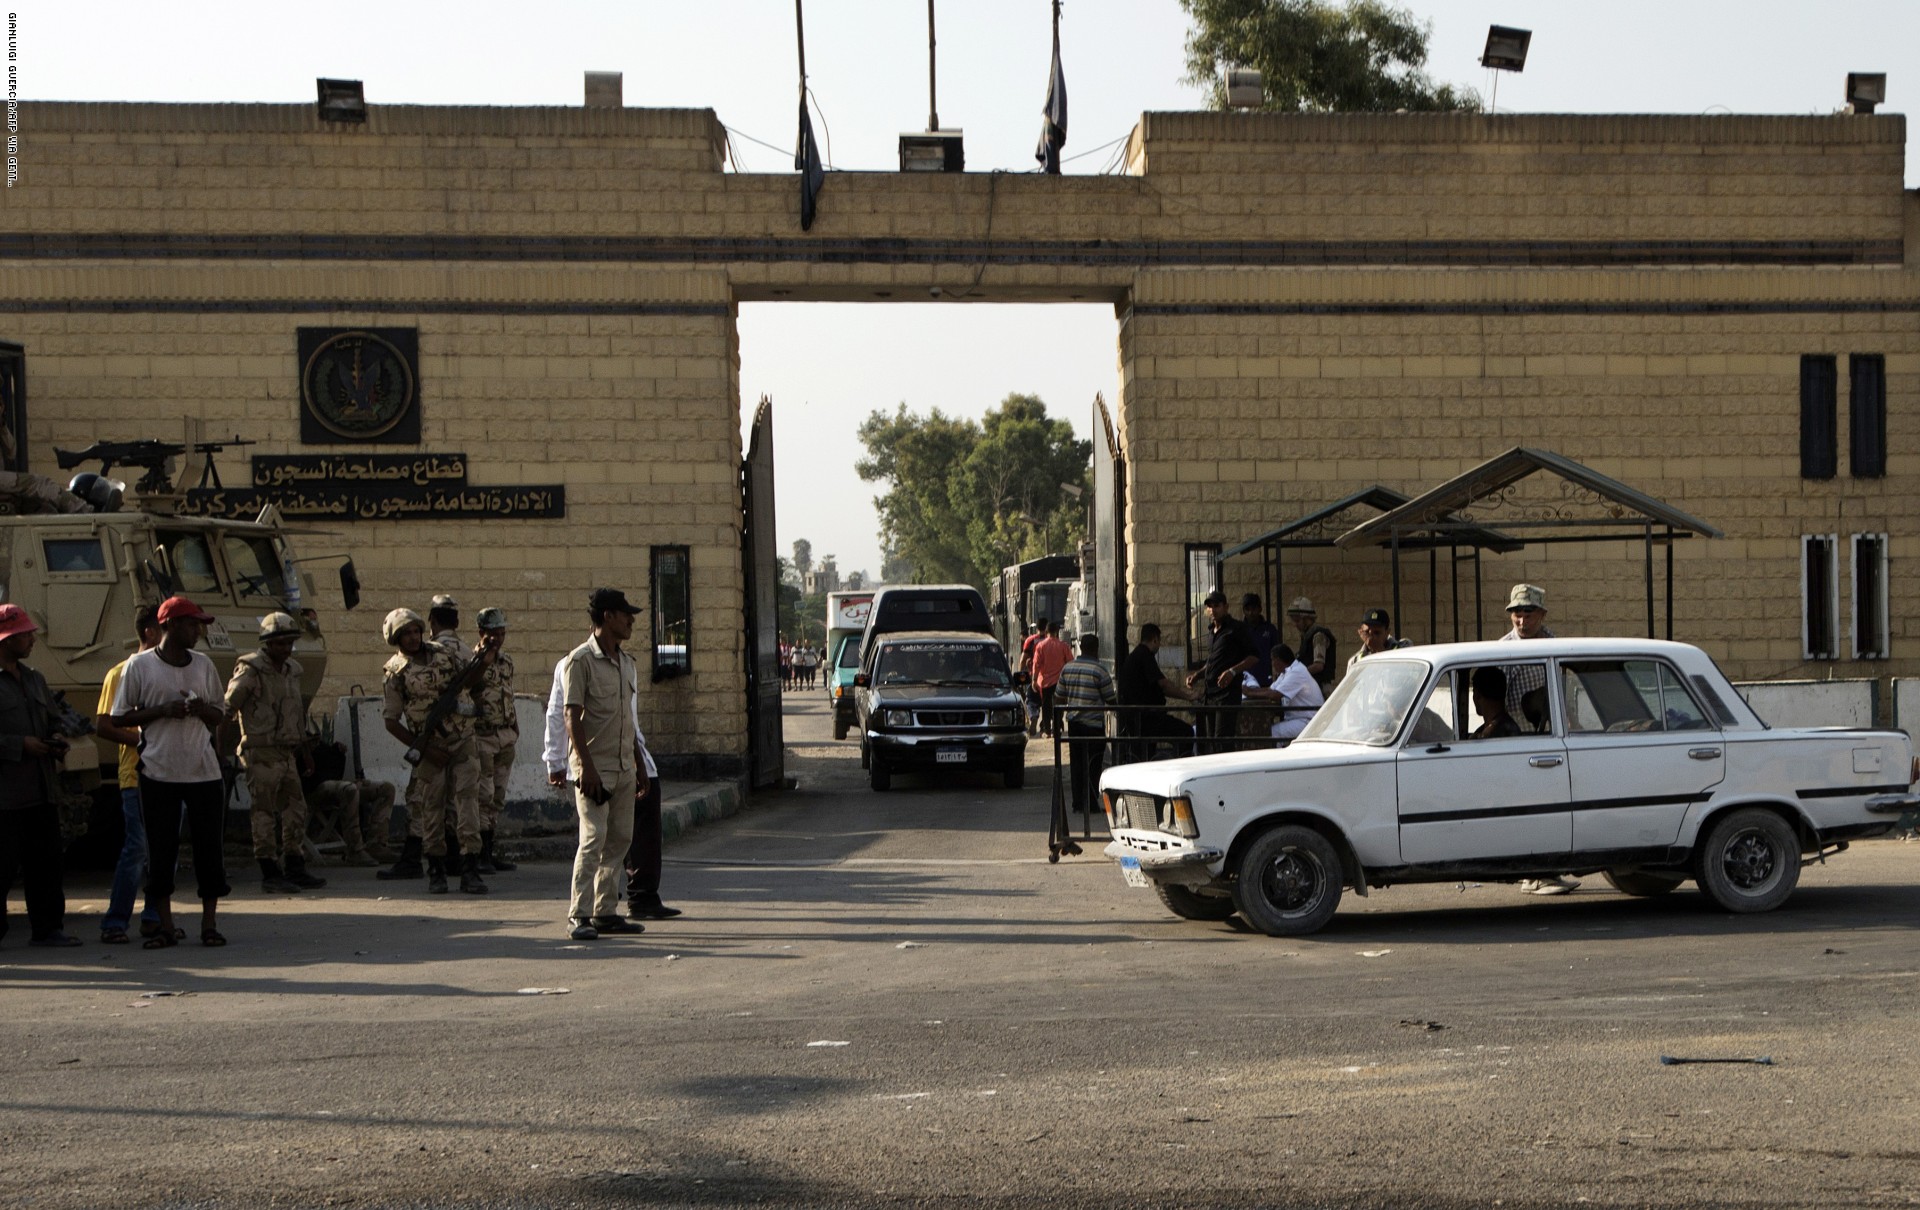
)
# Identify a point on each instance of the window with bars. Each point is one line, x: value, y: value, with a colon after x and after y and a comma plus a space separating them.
x: 1872, y: 634
x: 1819, y: 597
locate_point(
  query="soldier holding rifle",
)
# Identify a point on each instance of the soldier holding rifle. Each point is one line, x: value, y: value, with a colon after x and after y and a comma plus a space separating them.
x: 428, y: 708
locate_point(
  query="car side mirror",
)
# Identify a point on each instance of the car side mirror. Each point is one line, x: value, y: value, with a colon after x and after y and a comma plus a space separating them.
x: 349, y: 584
x: 860, y: 680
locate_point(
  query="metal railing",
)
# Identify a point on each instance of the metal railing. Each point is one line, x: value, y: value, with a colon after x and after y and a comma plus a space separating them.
x: 1247, y: 726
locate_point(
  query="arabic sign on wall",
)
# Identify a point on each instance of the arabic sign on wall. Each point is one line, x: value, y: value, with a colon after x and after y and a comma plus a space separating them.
x: 373, y: 487
x: 359, y: 385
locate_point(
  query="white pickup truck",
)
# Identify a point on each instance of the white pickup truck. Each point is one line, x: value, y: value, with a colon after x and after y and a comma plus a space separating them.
x: 1635, y: 759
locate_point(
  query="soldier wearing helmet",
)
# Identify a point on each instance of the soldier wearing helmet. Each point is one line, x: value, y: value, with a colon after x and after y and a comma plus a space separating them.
x: 419, y: 673
x: 264, y: 697
x: 496, y: 732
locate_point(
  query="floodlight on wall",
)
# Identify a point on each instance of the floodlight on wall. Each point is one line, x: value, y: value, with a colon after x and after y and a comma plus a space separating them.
x: 932, y: 151
x: 603, y: 90
x: 1245, y: 88
x: 1506, y: 48
x: 342, y: 101
x: 1866, y: 90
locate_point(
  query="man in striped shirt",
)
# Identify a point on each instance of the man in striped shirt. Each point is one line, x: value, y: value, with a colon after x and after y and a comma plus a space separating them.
x: 1084, y: 687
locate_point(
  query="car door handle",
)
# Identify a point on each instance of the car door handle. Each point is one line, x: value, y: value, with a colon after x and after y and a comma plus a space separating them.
x: 1703, y: 753
x: 1544, y: 762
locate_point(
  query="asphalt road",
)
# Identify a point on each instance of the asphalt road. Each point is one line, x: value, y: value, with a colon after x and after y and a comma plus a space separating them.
x: 892, y: 999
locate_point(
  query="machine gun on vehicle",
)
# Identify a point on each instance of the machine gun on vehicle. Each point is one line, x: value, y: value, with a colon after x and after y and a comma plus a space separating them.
x: 155, y: 456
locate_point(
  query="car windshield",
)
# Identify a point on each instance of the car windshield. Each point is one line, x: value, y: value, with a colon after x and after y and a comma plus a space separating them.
x: 942, y: 664
x: 850, y: 652
x: 1370, y: 704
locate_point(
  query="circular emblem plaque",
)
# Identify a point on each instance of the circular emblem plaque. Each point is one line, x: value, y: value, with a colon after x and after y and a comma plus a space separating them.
x: 357, y: 385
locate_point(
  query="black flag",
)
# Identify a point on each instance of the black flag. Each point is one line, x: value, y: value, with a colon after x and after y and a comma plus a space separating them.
x: 1053, y: 127
x: 807, y: 159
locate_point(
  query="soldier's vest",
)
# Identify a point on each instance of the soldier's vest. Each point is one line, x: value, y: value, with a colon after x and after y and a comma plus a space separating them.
x: 421, y: 684
x: 496, y: 697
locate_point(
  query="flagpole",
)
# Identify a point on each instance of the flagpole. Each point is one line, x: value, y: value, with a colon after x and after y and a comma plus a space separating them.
x: 933, y: 108
x: 800, y: 30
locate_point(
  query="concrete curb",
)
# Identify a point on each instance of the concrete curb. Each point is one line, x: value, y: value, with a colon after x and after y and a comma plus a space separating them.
x: 684, y: 807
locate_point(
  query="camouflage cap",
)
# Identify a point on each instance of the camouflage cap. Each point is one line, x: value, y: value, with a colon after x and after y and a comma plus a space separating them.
x: 492, y: 618
x: 444, y: 601
x: 278, y: 626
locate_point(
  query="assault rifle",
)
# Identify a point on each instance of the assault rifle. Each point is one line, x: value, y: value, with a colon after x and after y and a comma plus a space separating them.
x: 67, y: 721
x: 447, y: 703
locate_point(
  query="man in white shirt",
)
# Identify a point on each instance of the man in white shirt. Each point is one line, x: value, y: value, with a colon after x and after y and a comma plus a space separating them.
x: 174, y: 695
x: 1296, y: 691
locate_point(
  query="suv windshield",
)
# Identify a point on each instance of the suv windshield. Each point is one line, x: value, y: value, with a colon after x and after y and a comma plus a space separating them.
x: 1370, y: 704
x: 942, y: 664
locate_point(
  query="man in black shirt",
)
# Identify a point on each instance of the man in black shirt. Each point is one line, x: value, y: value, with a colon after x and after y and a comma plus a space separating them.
x: 1142, y: 682
x: 1229, y: 654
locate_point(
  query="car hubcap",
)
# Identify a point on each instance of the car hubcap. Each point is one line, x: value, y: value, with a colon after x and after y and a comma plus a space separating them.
x: 1750, y: 860
x: 1292, y: 881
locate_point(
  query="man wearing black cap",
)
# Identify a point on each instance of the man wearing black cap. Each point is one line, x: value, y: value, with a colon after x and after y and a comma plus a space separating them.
x: 1376, y: 636
x: 1229, y: 654
x: 600, y: 682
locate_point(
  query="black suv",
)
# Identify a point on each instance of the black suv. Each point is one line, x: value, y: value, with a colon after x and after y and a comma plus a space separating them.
x: 938, y: 700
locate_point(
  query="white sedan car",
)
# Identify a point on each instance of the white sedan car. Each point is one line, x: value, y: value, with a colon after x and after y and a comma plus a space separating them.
x: 1635, y: 759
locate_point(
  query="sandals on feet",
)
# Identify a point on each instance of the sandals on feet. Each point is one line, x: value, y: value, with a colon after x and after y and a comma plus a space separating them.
x: 211, y: 937
x: 161, y: 939
x: 113, y: 936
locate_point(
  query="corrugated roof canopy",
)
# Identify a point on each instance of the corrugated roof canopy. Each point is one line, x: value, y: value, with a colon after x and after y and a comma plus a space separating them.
x: 1309, y: 529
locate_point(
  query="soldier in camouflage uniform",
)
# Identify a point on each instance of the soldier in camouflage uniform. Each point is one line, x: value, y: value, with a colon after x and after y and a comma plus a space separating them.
x: 334, y: 794
x: 443, y: 631
x: 496, y: 732
x: 417, y: 675
x: 264, y: 697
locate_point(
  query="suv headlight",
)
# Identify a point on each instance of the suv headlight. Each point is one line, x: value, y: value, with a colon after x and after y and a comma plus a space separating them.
x: 899, y: 718
x: 1002, y: 718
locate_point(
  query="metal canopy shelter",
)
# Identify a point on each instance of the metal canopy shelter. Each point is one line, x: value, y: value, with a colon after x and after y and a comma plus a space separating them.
x: 1323, y: 527
x: 1582, y: 505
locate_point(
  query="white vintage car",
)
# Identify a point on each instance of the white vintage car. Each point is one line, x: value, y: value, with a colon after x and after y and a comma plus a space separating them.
x: 1634, y: 759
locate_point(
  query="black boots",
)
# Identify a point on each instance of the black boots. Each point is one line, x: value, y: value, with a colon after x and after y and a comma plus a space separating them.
x: 470, y: 876
x: 437, y: 876
x: 298, y: 876
x: 490, y: 861
x: 409, y: 864
x: 272, y: 881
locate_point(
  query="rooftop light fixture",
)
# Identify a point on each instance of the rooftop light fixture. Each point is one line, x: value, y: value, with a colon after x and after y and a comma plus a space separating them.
x: 1245, y: 89
x: 1866, y: 90
x: 1506, y: 48
x: 342, y: 101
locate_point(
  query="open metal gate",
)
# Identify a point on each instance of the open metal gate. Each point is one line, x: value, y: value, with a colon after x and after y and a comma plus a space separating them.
x: 1109, y: 536
x: 758, y: 560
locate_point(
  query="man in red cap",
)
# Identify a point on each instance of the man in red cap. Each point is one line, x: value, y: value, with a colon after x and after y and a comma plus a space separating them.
x: 173, y: 694
x: 30, y: 752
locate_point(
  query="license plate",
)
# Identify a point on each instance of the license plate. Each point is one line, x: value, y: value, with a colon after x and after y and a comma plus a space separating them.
x: 950, y: 756
x: 217, y: 637
x: 1130, y: 870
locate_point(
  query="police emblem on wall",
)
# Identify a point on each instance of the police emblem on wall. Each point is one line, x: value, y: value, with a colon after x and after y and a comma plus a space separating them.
x: 359, y: 385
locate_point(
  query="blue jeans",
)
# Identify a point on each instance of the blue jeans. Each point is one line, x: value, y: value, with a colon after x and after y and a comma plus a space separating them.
x: 132, y: 870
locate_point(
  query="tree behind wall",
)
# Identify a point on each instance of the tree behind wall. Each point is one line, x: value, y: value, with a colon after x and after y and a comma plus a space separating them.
x: 964, y: 500
x: 1319, y: 57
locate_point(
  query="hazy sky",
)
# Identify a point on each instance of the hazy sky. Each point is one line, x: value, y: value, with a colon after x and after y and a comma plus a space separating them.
x: 827, y: 366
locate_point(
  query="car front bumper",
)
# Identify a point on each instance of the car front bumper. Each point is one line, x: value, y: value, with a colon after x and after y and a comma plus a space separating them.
x: 995, y: 750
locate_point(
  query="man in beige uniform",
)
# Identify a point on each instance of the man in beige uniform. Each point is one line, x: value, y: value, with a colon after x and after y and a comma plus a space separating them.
x: 599, y: 681
x: 443, y: 630
x: 264, y: 698
x: 413, y: 680
x: 496, y: 731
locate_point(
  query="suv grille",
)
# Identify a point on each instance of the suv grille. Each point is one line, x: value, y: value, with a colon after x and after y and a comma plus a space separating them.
x: 950, y: 718
x: 1138, y: 811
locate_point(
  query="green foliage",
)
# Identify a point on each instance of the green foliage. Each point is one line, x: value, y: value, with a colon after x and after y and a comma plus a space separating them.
x: 1315, y: 56
x: 964, y: 500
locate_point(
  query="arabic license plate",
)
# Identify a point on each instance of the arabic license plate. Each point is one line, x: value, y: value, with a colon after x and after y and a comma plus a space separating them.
x: 217, y: 637
x: 950, y: 756
x: 1130, y: 870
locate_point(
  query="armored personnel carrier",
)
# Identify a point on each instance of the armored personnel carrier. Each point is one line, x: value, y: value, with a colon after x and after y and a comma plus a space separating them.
x: 83, y: 557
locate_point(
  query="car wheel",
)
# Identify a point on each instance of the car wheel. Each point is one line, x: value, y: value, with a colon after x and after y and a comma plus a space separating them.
x: 1016, y: 777
x: 1644, y: 883
x: 1750, y: 861
x: 839, y: 728
x: 1189, y: 904
x: 878, y: 775
x: 1288, y: 882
